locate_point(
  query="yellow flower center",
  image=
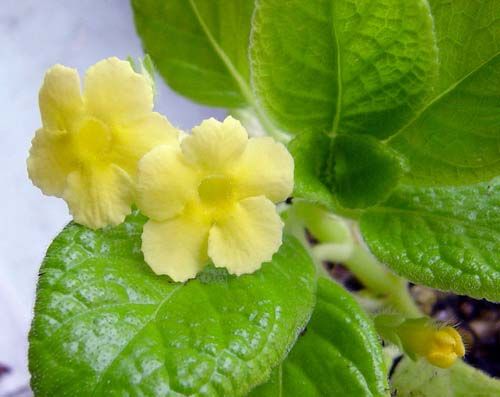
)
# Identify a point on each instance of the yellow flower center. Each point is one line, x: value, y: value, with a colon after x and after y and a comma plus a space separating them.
x: 215, y: 190
x: 92, y: 141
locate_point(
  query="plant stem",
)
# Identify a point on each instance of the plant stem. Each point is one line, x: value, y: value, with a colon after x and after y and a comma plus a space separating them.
x: 380, y: 281
x: 338, y: 244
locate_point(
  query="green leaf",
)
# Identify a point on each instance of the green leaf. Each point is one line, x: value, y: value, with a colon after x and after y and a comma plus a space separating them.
x: 199, y: 47
x: 467, y: 37
x: 314, y: 168
x: 446, y: 237
x: 339, y: 353
x: 455, y: 139
x: 346, y: 66
x: 420, y: 379
x: 352, y: 171
x: 366, y: 171
x: 105, y: 325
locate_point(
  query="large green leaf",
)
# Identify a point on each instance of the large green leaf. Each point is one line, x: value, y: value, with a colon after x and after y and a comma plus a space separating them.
x: 345, y: 66
x: 446, y: 237
x: 199, y: 46
x: 420, y: 379
x: 468, y: 36
x: 456, y: 137
x: 105, y: 325
x: 339, y: 353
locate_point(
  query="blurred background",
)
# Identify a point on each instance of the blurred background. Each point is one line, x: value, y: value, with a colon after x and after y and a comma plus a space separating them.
x: 34, y: 35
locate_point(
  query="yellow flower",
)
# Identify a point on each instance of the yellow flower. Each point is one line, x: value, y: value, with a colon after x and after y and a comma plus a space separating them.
x: 213, y: 196
x: 89, y: 146
x: 440, y: 346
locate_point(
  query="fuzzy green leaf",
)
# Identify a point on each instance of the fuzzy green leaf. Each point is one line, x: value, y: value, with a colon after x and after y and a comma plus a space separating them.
x: 346, y: 66
x: 446, y: 237
x: 199, y: 47
x: 338, y: 355
x: 105, y: 325
x: 420, y: 379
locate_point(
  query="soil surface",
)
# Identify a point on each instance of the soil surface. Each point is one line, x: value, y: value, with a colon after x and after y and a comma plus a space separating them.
x: 478, y: 321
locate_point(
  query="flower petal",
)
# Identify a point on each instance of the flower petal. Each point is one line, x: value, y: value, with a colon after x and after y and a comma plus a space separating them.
x: 177, y: 247
x: 49, y: 161
x: 133, y: 141
x: 248, y: 236
x: 99, y: 196
x: 60, y: 98
x: 115, y: 93
x: 265, y: 168
x: 165, y: 183
x: 215, y: 146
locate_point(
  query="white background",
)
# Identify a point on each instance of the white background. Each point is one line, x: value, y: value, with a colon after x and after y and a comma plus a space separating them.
x: 35, y: 34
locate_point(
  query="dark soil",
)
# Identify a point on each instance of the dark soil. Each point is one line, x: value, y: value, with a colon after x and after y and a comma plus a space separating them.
x: 478, y: 321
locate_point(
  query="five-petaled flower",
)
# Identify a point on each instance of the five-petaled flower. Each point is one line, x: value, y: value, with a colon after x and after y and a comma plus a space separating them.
x: 213, y: 196
x: 89, y: 146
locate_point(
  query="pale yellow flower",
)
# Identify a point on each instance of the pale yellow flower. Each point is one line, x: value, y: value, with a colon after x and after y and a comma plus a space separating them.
x: 213, y: 196
x: 90, y: 143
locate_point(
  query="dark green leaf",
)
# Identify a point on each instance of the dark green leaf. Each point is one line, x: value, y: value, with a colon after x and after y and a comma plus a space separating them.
x: 447, y: 238
x: 351, y: 170
x: 314, y: 172
x: 366, y: 171
x: 338, y: 355
x: 105, y: 325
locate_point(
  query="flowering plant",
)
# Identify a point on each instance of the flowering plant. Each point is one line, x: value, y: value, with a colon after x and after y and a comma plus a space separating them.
x: 194, y: 265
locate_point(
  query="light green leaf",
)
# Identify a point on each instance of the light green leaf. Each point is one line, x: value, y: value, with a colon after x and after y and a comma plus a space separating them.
x: 455, y: 139
x: 338, y: 355
x: 105, y: 325
x: 199, y: 47
x: 447, y: 237
x: 467, y: 36
x: 420, y: 379
x: 346, y: 66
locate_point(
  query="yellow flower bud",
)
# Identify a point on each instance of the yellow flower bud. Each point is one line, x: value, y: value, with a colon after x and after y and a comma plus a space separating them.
x: 445, y: 347
x: 440, y: 346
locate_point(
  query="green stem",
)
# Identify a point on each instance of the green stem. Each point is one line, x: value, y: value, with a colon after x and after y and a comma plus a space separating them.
x: 339, y: 245
x: 380, y: 281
